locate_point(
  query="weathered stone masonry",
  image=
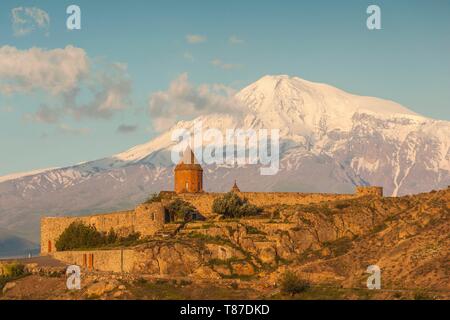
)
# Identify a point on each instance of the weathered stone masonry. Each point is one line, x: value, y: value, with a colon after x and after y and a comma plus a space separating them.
x: 146, y: 219
x: 204, y: 201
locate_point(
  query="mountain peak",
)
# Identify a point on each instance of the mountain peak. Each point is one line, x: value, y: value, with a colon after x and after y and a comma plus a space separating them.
x: 275, y: 77
x: 273, y: 83
x: 298, y: 105
x: 301, y: 109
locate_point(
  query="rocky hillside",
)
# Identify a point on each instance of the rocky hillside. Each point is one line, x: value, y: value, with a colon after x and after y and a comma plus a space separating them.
x: 328, y: 245
x: 335, y: 242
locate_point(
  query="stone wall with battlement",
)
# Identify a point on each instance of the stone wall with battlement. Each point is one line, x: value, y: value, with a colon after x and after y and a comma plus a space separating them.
x: 203, y: 201
x: 146, y: 219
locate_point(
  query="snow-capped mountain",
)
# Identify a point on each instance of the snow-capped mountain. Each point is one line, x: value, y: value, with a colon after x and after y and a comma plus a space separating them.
x: 330, y: 141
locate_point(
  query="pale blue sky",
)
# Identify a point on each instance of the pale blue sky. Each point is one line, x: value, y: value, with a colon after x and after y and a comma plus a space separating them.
x: 325, y: 41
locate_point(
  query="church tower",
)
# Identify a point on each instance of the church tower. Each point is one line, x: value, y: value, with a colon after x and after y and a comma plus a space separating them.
x: 188, y: 174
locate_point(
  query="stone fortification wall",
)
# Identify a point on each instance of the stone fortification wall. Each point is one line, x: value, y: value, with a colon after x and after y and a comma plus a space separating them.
x: 204, y: 201
x: 146, y: 219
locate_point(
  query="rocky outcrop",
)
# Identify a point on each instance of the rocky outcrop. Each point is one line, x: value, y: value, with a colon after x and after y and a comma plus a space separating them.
x: 330, y: 242
x: 8, y: 286
x: 100, y: 288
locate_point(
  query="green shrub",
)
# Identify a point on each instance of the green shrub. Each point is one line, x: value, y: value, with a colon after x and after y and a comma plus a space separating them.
x: 129, y: 240
x: 184, y: 283
x: 342, y: 205
x: 253, y: 230
x: 231, y: 205
x: 153, y: 198
x: 78, y: 236
x: 140, y: 281
x: 275, y: 214
x: 292, y: 284
x: 13, y: 270
x: 422, y: 295
x: 112, y: 236
x: 181, y: 210
x: 340, y: 246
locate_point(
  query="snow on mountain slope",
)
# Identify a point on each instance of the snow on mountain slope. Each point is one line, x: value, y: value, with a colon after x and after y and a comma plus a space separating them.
x: 14, y: 176
x: 299, y: 106
x: 330, y: 141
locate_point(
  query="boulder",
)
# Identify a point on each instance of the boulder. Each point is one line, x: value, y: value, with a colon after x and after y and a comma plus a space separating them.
x: 222, y: 270
x: 205, y: 272
x: 8, y: 286
x: 267, y: 253
x: 243, y: 268
x: 102, y: 287
x: 118, y: 294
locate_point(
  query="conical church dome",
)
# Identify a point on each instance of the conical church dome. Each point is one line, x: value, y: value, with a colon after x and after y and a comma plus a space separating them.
x: 188, y: 174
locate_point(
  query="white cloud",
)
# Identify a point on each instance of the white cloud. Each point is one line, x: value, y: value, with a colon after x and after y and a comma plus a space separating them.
x: 56, y: 71
x: 235, y: 40
x: 77, y: 87
x: 182, y: 100
x: 222, y: 65
x: 111, y: 91
x: 195, y: 38
x: 28, y: 19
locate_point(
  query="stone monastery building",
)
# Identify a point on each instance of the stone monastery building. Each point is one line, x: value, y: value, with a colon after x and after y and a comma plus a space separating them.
x: 149, y: 218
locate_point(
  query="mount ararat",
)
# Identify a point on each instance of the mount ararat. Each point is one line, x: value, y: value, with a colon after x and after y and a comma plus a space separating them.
x: 330, y: 141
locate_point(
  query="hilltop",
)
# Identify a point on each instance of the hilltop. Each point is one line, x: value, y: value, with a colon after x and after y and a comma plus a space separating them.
x: 328, y: 244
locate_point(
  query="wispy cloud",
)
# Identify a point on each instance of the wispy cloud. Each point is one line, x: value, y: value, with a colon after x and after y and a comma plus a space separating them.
x: 222, y: 65
x: 76, y: 86
x: 195, y: 38
x: 183, y: 100
x: 44, y: 114
x: 55, y: 71
x: 125, y: 128
x: 235, y: 40
x: 28, y: 19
